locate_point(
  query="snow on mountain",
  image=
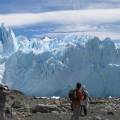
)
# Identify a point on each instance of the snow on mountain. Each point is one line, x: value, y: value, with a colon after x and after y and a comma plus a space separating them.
x: 50, y: 67
x: 117, y: 43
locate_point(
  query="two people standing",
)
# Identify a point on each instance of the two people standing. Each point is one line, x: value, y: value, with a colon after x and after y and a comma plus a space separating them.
x: 79, y: 101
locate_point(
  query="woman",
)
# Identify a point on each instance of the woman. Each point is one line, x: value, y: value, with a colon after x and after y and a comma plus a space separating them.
x: 84, y: 103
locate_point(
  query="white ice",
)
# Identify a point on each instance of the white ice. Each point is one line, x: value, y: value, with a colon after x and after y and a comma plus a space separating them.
x: 50, y: 67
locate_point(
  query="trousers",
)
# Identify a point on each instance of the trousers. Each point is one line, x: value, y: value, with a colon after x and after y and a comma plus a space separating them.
x: 76, y: 113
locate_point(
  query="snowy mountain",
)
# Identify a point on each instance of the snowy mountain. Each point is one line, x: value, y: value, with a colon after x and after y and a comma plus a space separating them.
x: 47, y: 67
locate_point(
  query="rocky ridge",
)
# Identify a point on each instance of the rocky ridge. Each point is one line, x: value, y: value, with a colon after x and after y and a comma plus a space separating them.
x: 21, y: 107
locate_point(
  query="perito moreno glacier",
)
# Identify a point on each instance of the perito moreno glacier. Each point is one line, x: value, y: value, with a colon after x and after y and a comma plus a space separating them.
x: 52, y: 66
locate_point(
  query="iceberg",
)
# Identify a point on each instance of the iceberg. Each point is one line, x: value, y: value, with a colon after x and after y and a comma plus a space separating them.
x: 52, y: 66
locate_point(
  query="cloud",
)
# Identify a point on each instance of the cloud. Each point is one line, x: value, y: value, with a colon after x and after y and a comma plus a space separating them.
x: 81, y: 17
x: 36, y: 6
x: 99, y: 22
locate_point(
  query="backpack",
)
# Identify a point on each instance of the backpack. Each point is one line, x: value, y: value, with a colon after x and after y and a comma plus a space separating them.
x: 72, y: 94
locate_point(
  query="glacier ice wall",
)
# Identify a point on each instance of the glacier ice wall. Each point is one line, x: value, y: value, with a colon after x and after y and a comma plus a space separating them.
x: 47, y: 67
x: 8, y: 43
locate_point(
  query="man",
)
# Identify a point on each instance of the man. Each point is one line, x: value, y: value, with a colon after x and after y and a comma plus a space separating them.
x: 76, y: 102
x: 3, y: 93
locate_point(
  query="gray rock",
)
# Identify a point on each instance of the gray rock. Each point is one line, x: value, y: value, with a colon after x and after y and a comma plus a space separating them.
x: 97, y: 118
x: 16, y: 104
x: 44, y: 108
x: 110, y: 113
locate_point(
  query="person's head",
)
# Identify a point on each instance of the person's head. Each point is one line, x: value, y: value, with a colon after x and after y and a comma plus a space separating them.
x: 78, y: 85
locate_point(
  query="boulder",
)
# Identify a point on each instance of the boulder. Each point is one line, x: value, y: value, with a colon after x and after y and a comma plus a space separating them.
x: 16, y: 104
x: 44, y: 108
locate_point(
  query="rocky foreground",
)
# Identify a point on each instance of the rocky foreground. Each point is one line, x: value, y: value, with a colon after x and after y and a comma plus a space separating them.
x: 21, y: 107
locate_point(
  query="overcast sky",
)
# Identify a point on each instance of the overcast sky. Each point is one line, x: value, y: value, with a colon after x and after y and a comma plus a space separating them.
x: 41, y: 17
x: 28, y: 6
